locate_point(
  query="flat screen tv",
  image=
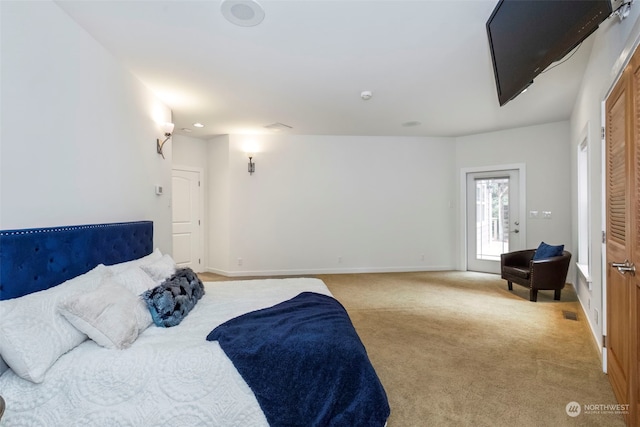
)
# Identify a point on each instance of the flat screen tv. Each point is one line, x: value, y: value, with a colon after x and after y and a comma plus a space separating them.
x: 526, y: 36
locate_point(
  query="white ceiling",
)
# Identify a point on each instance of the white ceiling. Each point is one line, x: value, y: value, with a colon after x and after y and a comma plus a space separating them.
x: 306, y: 64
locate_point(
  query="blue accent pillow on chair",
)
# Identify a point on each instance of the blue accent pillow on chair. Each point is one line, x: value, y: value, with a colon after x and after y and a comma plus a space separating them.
x: 547, y: 251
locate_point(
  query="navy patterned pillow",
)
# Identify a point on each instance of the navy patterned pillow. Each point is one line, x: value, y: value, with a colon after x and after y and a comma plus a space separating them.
x: 545, y: 251
x: 173, y: 299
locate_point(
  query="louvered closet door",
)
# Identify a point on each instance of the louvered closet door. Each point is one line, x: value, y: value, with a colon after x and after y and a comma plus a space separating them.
x: 634, y: 280
x: 622, y: 127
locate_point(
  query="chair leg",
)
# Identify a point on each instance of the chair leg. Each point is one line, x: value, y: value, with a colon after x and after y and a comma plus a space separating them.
x: 556, y: 295
x: 510, y: 285
x: 533, y: 295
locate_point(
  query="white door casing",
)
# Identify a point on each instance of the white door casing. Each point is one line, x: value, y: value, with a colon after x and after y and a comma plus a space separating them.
x: 474, y: 256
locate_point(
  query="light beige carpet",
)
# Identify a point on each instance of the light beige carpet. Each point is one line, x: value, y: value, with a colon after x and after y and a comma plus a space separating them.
x: 459, y: 349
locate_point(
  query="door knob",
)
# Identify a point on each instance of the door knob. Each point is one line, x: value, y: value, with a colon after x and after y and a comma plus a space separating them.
x: 515, y: 231
x: 625, y: 267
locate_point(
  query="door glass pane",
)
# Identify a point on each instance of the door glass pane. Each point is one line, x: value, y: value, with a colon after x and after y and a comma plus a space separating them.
x: 492, y: 218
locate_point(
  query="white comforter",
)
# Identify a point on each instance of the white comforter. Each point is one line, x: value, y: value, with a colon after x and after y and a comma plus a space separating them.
x: 169, y: 377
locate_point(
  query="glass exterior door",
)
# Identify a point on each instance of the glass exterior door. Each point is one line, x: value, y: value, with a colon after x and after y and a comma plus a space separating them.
x: 492, y: 218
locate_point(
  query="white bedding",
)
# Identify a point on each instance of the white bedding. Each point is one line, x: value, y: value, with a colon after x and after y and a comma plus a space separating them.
x: 168, y: 377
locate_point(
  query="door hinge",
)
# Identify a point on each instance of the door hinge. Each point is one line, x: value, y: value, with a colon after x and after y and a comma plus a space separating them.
x: 198, y: 183
x: 199, y: 262
x: 602, y: 132
x: 604, y: 236
x: 198, y: 222
x: 604, y: 341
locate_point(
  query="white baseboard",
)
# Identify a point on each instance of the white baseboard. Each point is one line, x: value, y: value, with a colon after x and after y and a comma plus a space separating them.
x: 303, y: 272
x: 594, y: 333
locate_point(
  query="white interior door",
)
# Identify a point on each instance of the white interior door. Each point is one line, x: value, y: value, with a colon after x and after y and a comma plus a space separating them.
x: 493, y: 218
x: 186, y: 206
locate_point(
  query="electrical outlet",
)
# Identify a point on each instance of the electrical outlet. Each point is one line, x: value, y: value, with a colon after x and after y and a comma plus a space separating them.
x: 546, y: 214
x: 422, y: 258
x: 239, y: 261
x: 533, y: 214
x: 339, y: 260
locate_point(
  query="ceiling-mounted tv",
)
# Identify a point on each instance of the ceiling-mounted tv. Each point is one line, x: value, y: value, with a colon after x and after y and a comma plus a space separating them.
x: 526, y: 36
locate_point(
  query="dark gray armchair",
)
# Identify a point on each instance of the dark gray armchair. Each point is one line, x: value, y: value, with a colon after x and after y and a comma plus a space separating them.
x: 544, y: 274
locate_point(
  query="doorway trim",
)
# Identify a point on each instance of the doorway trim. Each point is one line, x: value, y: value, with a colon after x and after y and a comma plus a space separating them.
x: 624, y: 58
x: 462, y: 213
x: 203, y: 249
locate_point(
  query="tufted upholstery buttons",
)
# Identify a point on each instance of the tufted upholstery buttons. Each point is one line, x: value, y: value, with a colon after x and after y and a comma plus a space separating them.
x: 35, y: 259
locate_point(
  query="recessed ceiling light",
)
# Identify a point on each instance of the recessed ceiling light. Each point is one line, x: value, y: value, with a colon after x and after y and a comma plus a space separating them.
x: 366, y: 95
x: 245, y: 13
x: 198, y: 125
x: 411, y: 124
x: 186, y: 130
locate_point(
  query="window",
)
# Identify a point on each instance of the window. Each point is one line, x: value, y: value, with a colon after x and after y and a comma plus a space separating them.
x: 584, y: 207
x: 492, y: 217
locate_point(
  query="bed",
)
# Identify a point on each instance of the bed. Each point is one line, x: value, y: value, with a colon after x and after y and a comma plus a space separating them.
x: 165, y: 375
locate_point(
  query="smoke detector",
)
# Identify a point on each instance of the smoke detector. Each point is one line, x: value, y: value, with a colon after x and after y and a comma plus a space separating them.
x: 245, y: 13
x: 366, y: 95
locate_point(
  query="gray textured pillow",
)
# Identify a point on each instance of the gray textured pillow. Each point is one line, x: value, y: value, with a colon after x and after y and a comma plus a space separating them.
x: 171, y: 301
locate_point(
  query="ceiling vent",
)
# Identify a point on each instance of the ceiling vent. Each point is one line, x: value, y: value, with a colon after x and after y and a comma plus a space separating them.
x: 278, y: 127
x: 245, y: 13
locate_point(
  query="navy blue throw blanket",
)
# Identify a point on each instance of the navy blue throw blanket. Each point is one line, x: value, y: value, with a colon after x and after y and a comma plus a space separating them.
x: 305, y: 363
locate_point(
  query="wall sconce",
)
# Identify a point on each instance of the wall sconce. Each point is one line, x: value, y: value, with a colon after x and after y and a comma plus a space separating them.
x: 252, y: 164
x: 167, y: 128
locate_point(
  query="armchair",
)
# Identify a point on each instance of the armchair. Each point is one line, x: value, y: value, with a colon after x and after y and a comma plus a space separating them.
x: 544, y: 274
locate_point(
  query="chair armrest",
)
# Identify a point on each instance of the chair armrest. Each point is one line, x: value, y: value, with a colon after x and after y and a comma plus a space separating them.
x: 550, y: 273
x: 517, y: 258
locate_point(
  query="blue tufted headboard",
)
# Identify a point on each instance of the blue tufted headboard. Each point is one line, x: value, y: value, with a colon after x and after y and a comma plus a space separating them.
x: 35, y: 259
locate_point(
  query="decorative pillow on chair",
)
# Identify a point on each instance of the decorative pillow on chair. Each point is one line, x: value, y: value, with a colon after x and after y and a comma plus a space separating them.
x: 547, y: 251
x: 171, y: 301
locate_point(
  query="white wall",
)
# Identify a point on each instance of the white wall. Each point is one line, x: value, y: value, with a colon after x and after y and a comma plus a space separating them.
x: 78, y: 132
x: 219, y: 237
x: 351, y: 204
x: 334, y: 204
x: 612, y: 46
x: 189, y: 151
x: 544, y: 150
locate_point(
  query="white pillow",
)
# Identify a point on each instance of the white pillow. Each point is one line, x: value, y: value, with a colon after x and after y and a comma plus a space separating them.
x: 112, y: 316
x: 153, y: 256
x: 161, y: 269
x: 33, y: 335
x: 135, y: 280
